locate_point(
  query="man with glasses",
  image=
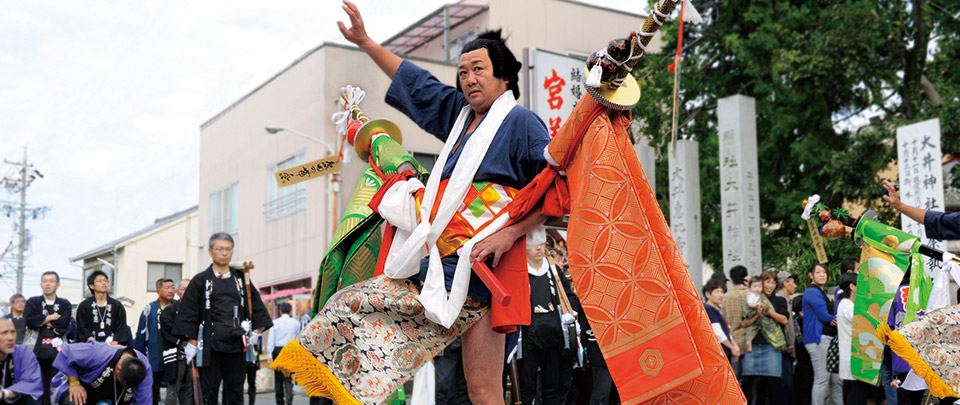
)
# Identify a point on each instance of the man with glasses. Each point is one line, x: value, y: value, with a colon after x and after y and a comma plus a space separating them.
x: 213, y: 317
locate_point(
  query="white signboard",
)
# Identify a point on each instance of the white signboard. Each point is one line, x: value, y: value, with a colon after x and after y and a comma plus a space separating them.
x: 685, y: 206
x: 739, y: 191
x: 921, y: 173
x: 556, y: 84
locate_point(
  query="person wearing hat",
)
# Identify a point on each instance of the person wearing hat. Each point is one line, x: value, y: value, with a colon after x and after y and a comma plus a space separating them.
x: 788, y: 284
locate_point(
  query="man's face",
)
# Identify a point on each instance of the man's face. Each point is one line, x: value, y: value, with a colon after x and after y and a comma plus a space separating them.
x: 183, y: 288
x: 100, y: 284
x: 535, y: 253
x: 475, y: 74
x: 18, y: 304
x: 8, y: 336
x: 166, y: 290
x: 221, y: 252
x: 790, y: 286
x: 49, y: 284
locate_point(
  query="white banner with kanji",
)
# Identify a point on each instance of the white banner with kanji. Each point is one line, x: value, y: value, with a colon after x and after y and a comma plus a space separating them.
x: 921, y: 173
x: 556, y: 84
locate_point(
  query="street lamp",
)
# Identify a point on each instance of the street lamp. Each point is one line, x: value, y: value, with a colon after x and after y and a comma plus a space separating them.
x: 334, y: 178
x: 274, y: 129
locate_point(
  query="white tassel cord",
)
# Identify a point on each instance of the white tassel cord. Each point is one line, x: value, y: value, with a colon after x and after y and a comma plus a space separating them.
x: 350, y: 96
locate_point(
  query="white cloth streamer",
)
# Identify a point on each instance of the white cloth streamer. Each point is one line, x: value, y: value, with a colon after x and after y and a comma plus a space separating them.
x: 407, y: 248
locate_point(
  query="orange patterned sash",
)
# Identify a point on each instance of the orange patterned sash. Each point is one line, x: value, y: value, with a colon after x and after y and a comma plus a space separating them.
x: 633, y: 284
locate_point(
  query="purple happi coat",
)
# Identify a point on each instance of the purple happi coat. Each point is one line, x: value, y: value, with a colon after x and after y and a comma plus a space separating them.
x: 26, y: 373
x: 87, y: 361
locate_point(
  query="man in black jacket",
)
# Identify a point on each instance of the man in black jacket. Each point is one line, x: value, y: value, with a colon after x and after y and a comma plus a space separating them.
x: 179, y: 388
x: 48, y: 317
x: 212, y: 317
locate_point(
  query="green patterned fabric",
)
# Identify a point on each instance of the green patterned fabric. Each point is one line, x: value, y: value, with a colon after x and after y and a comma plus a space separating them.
x: 886, y: 255
x: 352, y: 255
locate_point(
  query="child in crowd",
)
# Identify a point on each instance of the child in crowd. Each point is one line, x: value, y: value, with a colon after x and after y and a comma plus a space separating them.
x: 771, y: 330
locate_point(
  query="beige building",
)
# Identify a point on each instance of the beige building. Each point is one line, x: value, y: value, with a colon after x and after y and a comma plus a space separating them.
x: 286, y: 231
x: 168, y: 248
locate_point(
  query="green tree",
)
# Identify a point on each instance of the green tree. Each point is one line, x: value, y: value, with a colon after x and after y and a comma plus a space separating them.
x: 811, y: 65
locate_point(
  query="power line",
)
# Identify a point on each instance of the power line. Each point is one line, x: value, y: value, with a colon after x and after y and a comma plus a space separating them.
x: 27, y: 175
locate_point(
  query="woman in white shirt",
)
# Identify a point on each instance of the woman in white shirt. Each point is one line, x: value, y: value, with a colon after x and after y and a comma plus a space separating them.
x: 855, y: 392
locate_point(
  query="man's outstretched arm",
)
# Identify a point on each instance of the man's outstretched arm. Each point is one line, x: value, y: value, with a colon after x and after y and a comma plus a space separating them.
x: 357, y: 34
x: 893, y: 199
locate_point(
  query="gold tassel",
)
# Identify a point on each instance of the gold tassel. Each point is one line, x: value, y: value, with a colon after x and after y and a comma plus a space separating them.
x: 902, y: 348
x: 310, y: 373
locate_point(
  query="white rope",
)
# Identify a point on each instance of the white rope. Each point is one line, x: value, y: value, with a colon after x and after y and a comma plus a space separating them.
x: 354, y: 96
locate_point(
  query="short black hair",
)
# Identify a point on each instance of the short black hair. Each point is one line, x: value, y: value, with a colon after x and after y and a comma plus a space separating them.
x: 713, y: 284
x: 15, y: 296
x: 797, y: 304
x: 846, y: 279
x: 162, y: 281
x: 849, y: 264
x: 738, y: 273
x: 93, y: 277
x: 285, y: 308
x: 47, y: 273
x: 505, y: 64
x: 754, y: 280
x: 221, y: 236
x: 132, y: 371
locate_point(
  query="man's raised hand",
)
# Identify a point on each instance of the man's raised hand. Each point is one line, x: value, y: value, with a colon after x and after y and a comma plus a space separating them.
x: 356, y: 33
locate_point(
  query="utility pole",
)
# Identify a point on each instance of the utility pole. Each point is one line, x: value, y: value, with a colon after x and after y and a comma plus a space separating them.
x: 27, y: 175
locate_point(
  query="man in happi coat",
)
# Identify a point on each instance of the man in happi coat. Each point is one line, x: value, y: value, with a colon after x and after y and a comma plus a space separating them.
x: 94, y: 372
x: 19, y: 370
x: 492, y: 148
x: 171, y: 348
x: 48, y: 318
x: 101, y: 317
x: 213, y: 317
x: 17, y: 303
x: 148, y: 340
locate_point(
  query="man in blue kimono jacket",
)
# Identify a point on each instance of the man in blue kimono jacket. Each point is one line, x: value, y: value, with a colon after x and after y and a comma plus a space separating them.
x: 148, y: 337
x: 510, y: 149
x: 93, y: 372
x: 20, y: 371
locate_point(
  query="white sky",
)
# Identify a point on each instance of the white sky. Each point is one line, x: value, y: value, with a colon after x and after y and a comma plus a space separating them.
x: 108, y: 96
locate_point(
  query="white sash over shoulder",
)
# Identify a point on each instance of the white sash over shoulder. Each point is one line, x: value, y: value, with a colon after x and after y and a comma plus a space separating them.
x: 409, y: 247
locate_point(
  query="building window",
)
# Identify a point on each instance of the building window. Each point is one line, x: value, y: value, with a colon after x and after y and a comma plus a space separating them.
x: 224, y: 208
x: 457, y: 43
x: 283, y: 201
x: 427, y: 160
x: 156, y: 271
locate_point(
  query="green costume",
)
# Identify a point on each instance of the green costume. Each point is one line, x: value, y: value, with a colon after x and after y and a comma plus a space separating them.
x: 352, y: 256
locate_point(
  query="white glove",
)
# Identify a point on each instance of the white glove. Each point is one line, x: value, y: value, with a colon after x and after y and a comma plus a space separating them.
x: 190, y: 351
x: 254, y: 339
x: 568, y: 319
x: 246, y: 326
